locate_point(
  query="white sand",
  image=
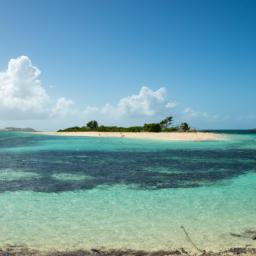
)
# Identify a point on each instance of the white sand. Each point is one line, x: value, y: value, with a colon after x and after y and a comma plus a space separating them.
x: 168, y: 136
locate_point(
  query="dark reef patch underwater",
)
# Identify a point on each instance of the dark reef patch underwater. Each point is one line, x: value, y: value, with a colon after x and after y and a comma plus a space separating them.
x: 145, y: 170
x: 156, y: 168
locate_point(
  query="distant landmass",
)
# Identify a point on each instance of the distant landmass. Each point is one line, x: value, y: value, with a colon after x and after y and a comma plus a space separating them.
x: 15, y: 129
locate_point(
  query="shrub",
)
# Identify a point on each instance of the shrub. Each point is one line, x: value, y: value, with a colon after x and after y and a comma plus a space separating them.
x: 153, y: 127
x: 171, y: 129
x: 93, y: 125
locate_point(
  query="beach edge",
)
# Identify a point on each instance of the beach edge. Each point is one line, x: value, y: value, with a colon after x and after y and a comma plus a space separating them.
x: 165, y: 136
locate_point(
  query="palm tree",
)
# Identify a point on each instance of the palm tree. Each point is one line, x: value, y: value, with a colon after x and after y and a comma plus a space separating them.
x: 184, y: 127
x: 166, y: 122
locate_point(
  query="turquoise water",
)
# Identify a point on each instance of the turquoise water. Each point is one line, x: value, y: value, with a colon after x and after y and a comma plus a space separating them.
x: 79, y: 193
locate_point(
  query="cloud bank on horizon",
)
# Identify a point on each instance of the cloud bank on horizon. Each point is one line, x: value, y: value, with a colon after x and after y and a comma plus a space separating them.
x: 24, y: 97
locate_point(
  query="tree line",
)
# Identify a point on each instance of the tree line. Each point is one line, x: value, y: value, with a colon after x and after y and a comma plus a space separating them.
x: 163, y: 126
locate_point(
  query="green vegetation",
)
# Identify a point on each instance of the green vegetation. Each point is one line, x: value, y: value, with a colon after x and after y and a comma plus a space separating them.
x: 184, y: 127
x: 103, y: 128
x: 166, y: 122
x: 163, y: 126
x: 171, y: 129
x: 76, y: 129
x: 153, y: 127
x: 93, y: 125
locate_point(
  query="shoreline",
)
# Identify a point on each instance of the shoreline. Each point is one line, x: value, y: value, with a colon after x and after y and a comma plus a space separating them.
x: 14, y: 250
x: 166, y: 136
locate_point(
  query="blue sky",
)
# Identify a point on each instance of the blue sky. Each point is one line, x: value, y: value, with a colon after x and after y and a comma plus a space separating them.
x: 96, y: 57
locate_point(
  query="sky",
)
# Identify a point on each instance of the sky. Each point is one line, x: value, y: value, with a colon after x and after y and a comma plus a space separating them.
x: 127, y: 62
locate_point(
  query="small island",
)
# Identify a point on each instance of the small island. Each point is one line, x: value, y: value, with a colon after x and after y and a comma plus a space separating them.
x: 164, y: 130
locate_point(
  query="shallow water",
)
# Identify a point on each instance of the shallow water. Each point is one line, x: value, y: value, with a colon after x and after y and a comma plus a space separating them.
x: 69, y: 193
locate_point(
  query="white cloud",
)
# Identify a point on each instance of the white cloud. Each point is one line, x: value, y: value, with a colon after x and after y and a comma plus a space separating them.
x: 171, y: 104
x: 23, y: 97
x: 63, y: 108
x: 147, y: 103
x: 21, y: 92
x: 191, y: 113
x: 90, y: 110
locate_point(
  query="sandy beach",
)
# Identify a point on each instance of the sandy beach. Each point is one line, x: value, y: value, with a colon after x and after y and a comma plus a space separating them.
x: 167, y: 136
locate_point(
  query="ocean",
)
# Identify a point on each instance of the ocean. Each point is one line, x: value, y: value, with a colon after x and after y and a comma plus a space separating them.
x: 69, y: 193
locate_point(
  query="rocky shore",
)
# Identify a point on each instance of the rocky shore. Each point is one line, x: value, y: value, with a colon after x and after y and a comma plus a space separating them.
x: 24, y: 251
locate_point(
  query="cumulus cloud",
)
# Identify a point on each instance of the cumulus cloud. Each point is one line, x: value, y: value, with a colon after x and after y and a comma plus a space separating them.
x: 21, y: 92
x: 191, y: 113
x: 23, y: 96
x: 90, y: 110
x: 63, y: 108
x: 147, y: 103
x: 171, y: 104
